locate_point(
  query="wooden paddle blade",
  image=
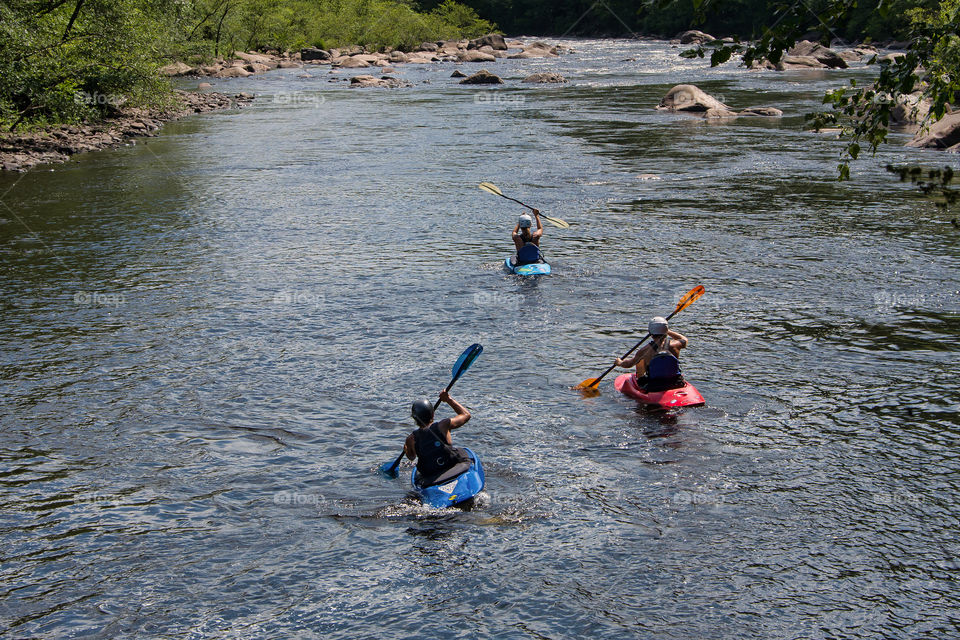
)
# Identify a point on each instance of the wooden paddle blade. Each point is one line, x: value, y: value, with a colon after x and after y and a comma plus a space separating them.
x: 557, y: 222
x: 690, y: 297
x: 489, y: 187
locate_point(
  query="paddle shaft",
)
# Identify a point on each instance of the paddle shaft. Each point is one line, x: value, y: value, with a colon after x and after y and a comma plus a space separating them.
x: 396, y: 463
x: 545, y: 217
x: 632, y: 349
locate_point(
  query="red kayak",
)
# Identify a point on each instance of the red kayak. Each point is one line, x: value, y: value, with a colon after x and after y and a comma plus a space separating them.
x: 685, y: 396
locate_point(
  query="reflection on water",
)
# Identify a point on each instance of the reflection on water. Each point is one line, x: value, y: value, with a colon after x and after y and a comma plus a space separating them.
x: 211, y: 341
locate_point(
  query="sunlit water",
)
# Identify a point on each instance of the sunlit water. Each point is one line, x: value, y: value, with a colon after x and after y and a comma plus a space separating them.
x: 211, y: 340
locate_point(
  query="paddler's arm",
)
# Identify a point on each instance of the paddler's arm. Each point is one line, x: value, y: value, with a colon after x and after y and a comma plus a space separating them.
x: 409, y: 448
x: 679, y: 338
x: 517, y: 238
x: 631, y: 361
x: 462, y: 417
x: 539, y: 231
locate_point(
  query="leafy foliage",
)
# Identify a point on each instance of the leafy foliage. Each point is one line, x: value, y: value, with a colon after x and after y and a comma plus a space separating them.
x: 74, y: 60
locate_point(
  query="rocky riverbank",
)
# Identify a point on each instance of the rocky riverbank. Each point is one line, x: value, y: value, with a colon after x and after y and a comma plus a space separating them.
x: 20, y: 151
x: 489, y: 48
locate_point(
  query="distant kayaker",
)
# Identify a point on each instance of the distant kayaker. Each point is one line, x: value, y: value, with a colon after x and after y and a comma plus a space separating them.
x: 658, y: 363
x: 522, y: 236
x: 431, y: 445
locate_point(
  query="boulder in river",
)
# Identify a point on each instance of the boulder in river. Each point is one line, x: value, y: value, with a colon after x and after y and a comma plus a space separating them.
x: 475, y: 56
x: 482, y: 77
x: 429, y: 46
x: 458, y: 74
x: 544, y: 77
x: 175, y: 69
x: 385, y: 82
x: 351, y: 62
x: 943, y: 134
x: 695, y: 37
x: 826, y: 57
x: 233, y: 72
x: 313, y: 53
x: 493, y: 40
x: 770, y: 112
x: 686, y: 98
x: 536, y: 50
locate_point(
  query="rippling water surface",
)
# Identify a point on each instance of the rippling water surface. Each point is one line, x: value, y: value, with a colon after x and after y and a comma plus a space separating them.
x: 211, y: 340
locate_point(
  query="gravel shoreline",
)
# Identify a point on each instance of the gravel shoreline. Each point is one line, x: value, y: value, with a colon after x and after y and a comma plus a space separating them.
x: 21, y: 151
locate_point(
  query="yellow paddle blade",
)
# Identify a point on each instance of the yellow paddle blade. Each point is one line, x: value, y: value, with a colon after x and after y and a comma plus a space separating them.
x: 690, y: 297
x: 557, y: 222
x: 589, y: 383
x: 489, y: 187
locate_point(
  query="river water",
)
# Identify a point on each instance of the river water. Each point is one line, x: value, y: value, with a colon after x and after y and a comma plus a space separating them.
x: 211, y: 339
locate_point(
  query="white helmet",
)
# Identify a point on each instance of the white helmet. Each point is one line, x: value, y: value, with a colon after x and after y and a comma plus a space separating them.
x: 657, y: 326
x: 525, y: 221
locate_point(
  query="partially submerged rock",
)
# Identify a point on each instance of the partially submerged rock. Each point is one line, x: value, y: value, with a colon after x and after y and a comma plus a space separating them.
x: 537, y: 50
x: 695, y: 37
x: 383, y: 82
x: 824, y: 56
x: 544, y: 77
x: 482, y: 77
x: 687, y: 98
x: 943, y: 134
x: 770, y: 112
x: 475, y: 56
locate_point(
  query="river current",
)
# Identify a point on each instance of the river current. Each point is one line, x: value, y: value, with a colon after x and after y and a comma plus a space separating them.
x: 211, y: 339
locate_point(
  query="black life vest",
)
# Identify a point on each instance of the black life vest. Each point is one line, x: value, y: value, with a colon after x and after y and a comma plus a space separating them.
x: 434, y: 454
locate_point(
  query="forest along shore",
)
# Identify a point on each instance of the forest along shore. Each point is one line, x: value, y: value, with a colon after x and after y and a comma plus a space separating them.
x: 21, y: 151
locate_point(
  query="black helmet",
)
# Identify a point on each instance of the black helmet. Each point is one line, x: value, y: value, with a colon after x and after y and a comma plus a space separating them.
x: 422, y: 412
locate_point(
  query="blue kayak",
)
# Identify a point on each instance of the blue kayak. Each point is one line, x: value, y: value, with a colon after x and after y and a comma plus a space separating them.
x: 535, y: 269
x: 458, y: 489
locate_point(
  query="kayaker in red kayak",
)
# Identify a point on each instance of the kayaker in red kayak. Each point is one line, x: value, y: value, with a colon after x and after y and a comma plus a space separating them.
x: 658, y: 363
x: 522, y: 237
x: 431, y: 445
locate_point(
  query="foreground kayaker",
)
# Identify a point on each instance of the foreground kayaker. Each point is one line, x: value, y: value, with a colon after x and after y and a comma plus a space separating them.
x: 431, y: 445
x: 527, y: 242
x: 658, y: 363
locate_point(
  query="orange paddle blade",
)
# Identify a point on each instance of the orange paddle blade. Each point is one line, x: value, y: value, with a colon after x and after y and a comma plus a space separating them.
x: 690, y: 297
x: 587, y: 384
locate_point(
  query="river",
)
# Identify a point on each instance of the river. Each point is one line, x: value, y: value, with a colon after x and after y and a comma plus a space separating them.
x: 211, y: 340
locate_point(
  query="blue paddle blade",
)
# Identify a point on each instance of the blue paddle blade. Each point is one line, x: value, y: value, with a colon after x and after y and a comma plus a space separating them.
x: 465, y: 360
x: 389, y: 470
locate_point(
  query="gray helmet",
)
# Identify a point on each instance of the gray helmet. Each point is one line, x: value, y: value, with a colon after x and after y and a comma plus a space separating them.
x: 657, y: 326
x: 525, y: 221
x: 422, y: 412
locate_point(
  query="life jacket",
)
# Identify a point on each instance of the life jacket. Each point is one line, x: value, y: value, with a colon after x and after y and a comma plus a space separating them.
x: 434, y: 454
x: 528, y: 254
x: 663, y: 372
